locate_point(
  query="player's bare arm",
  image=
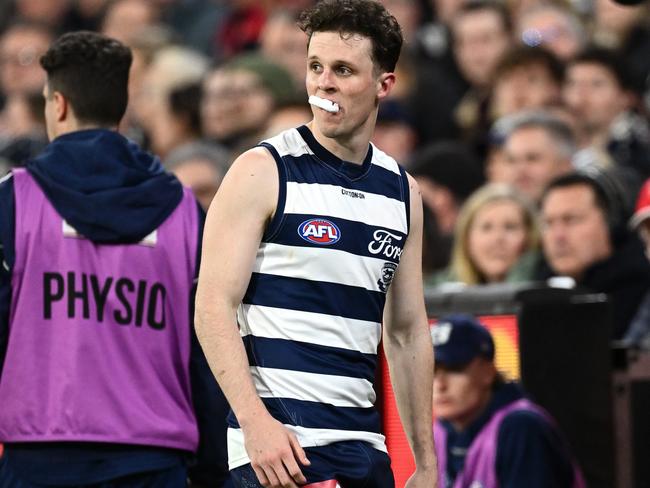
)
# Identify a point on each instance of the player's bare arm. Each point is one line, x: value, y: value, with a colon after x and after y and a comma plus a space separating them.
x: 408, y: 349
x: 234, y: 227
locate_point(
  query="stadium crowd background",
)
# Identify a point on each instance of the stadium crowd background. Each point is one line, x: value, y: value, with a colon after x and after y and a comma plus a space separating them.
x: 212, y: 78
x: 494, y: 100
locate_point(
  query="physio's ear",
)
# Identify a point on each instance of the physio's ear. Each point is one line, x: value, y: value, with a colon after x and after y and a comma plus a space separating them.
x: 61, y: 106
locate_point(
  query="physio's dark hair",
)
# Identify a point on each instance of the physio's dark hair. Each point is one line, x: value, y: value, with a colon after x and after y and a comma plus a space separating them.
x: 366, y: 17
x: 92, y: 72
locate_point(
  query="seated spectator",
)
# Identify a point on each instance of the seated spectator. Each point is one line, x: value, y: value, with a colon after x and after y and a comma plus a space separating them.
x: 638, y: 333
x: 584, y: 237
x: 21, y: 45
x: 554, y: 27
x: 21, y: 81
x: 486, y: 432
x: 526, y: 78
x: 239, y: 98
x: 482, y: 34
x: 125, y: 19
x: 603, y: 97
x: 287, y: 115
x: 394, y: 132
x: 168, y: 101
x: 537, y: 147
x: 496, y: 239
x: 447, y: 173
x: 200, y: 166
x: 282, y: 40
x: 625, y: 26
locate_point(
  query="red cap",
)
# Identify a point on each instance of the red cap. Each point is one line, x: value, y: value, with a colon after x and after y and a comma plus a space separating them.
x: 642, y: 211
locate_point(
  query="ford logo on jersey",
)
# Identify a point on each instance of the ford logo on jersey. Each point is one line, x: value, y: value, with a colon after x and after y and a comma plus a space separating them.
x: 319, y: 231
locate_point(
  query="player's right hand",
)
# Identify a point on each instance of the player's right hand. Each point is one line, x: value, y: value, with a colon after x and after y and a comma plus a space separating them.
x: 274, y: 452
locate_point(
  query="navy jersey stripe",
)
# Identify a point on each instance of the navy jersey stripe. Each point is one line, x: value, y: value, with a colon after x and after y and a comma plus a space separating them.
x: 309, y: 358
x: 315, y: 296
x: 350, y: 171
x: 301, y: 169
x: 356, y: 238
x: 275, y: 224
x: 319, y: 415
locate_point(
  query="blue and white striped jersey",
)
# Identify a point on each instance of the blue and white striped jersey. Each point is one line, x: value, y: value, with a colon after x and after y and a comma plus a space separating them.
x: 311, y: 316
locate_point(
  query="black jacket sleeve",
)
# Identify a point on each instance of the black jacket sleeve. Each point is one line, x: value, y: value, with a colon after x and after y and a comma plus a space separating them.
x: 211, y: 408
x: 7, y: 231
x: 531, y: 453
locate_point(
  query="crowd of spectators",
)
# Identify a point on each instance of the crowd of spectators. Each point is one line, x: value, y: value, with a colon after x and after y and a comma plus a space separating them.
x: 515, y: 93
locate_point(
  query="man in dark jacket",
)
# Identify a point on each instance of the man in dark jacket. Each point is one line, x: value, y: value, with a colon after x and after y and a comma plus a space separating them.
x: 486, y: 433
x: 99, y: 252
x: 584, y: 237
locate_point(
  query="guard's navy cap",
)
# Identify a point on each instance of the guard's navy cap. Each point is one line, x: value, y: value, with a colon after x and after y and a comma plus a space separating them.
x: 458, y: 339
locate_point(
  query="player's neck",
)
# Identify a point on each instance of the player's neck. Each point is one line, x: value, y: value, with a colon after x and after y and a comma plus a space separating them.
x: 350, y: 147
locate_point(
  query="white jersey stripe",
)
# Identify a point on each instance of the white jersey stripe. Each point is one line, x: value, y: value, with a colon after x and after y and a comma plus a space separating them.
x: 332, y: 331
x: 307, y: 437
x: 340, y: 391
x: 289, y: 143
x: 380, y: 158
x: 319, y: 264
x: 316, y: 199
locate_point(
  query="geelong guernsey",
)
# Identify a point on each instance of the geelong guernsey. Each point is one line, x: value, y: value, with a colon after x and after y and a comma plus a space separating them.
x: 311, y: 316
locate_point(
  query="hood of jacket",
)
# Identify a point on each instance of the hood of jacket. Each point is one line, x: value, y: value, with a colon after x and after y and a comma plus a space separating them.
x: 105, y: 186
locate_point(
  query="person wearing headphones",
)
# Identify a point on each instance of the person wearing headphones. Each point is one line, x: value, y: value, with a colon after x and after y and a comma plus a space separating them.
x: 584, y: 237
x: 638, y: 333
x: 487, y: 434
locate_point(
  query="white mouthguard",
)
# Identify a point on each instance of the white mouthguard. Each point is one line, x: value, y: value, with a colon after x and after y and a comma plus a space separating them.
x: 324, y: 104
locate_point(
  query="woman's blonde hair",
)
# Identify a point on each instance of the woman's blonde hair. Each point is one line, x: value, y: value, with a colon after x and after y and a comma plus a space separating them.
x: 462, y: 267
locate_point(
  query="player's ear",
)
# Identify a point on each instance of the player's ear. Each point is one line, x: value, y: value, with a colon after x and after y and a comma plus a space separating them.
x: 385, y: 84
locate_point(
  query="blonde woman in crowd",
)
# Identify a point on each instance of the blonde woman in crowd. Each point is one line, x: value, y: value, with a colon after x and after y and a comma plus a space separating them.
x: 495, y: 240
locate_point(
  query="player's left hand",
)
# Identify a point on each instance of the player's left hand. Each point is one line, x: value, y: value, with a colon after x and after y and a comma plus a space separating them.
x: 423, y: 478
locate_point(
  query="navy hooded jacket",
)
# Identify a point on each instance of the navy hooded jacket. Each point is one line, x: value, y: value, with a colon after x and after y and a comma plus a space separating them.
x: 110, y: 191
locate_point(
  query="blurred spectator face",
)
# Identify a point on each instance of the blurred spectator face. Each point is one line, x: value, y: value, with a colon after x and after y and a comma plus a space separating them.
x: 287, y: 118
x: 616, y: 19
x: 202, y: 177
x: 257, y: 102
x: 235, y: 102
x: 445, y: 9
x: 594, y: 96
x: 575, y: 233
x: 532, y: 160
x: 407, y: 13
x: 496, y: 239
x: 284, y: 42
x: 480, y: 39
x: 395, y: 138
x: 440, y: 200
x: 45, y: 11
x: 125, y: 18
x: 459, y: 395
x: 172, y: 68
x: 20, y: 50
x: 527, y: 87
x: 220, y: 106
x: 551, y: 29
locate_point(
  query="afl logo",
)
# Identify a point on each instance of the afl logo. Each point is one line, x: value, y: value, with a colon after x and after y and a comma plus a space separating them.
x: 319, y: 231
